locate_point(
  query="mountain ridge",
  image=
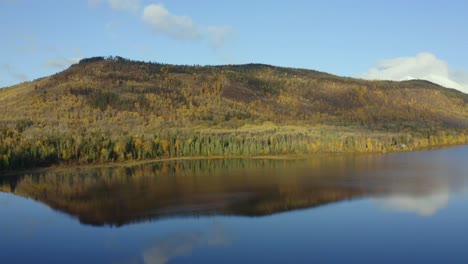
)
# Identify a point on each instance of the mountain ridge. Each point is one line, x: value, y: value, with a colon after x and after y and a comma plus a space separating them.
x: 114, y: 109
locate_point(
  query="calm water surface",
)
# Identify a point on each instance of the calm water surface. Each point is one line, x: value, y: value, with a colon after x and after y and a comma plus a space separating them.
x: 392, y: 208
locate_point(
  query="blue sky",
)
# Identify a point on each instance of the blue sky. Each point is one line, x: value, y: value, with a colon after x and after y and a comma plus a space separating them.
x: 362, y: 38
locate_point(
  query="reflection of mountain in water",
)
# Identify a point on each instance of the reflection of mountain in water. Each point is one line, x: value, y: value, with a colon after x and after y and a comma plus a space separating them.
x: 121, y: 195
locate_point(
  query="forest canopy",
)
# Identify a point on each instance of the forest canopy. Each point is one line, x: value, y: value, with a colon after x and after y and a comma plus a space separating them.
x: 109, y: 109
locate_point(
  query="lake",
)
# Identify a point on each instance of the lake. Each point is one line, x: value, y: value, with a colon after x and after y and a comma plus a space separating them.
x: 407, y: 207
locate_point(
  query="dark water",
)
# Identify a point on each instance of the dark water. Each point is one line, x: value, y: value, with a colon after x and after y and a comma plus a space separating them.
x: 392, y: 208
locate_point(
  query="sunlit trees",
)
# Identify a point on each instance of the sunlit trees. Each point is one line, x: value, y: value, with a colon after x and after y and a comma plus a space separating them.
x: 114, y: 109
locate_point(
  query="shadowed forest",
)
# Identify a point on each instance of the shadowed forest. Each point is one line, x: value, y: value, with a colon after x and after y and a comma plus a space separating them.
x: 111, y: 109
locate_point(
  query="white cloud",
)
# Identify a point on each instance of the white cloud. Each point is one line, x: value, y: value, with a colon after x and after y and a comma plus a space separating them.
x: 125, y: 5
x: 61, y: 63
x: 425, y: 66
x: 421, y: 205
x: 183, y: 27
x: 162, y: 21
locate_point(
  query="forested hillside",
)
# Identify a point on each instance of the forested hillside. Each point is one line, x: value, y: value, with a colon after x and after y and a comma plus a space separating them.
x: 114, y: 109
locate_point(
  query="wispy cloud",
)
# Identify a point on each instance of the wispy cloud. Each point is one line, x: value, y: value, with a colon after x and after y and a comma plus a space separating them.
x: 132, y: 6
x: 183, y: 244
x: 94, y: 3
x: 17, y: 76
x: 425, y: 66
x: 163, y: 22
x: 180, y: 27
x: 125, y: 5
x: 61, y: 62
x: 28, y: 44
x: 219, y: 34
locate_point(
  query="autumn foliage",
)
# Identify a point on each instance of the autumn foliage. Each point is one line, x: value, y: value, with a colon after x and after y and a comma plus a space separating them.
x: 114, y: 109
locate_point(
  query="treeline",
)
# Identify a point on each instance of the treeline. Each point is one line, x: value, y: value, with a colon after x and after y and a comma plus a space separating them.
x: 17, y: 152
x: 107, y: 109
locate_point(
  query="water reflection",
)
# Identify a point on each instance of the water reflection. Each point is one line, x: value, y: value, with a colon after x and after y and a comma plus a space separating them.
x: 423, y: 185
x: 183, y: 243
x: 419, y: 182
x: 426, y: 205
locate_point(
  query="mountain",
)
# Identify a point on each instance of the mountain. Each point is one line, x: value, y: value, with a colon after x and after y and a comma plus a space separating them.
x: 115, y: 109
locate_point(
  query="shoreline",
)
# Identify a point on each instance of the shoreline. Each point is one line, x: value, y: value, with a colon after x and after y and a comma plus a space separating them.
x: 66, y: 167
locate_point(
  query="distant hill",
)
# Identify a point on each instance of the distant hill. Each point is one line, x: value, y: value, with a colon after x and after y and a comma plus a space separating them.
x: 115, y: 109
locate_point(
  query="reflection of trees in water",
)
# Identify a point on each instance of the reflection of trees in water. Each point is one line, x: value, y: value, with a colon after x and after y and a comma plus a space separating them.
x: 119, y: 195
x: 249, y: 187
